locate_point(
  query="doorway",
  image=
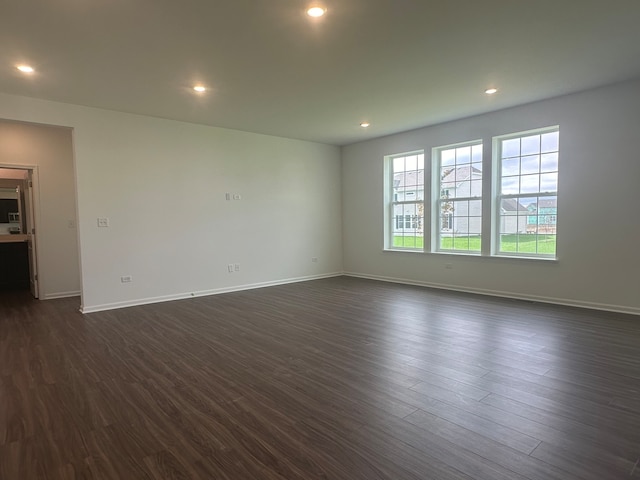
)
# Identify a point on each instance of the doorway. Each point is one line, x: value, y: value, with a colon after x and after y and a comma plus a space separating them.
x: 18, y: 253
x: 47, y: 152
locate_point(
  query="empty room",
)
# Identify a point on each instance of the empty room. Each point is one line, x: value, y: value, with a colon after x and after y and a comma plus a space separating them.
x: 302, y: 240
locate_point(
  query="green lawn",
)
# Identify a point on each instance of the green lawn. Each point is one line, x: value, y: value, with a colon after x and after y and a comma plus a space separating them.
x: 523, y: 243
x: 408, y: 242
x: 526, y: 243
x: 471, y: 243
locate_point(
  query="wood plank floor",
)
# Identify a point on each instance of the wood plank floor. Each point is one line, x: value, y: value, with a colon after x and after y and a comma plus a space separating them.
x: 340, y: 378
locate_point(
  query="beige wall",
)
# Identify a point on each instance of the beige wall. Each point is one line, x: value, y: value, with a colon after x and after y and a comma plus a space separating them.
x: 50, y: 150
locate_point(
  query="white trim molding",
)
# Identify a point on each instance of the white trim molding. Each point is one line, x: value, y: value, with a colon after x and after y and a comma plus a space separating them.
x: 202, y: 293
x: 496, y: 293
x: 53, y: 296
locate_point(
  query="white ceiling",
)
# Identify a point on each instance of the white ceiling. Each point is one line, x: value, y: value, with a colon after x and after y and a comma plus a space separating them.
x: 400, y: 64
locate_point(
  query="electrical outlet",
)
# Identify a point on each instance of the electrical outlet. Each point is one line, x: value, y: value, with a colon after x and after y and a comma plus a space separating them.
x: 237, y: 196
x: 230, y: 267
x: 314, y: 259
x: 126, y: 279
x: 103, y: 221
x: 236, y: 267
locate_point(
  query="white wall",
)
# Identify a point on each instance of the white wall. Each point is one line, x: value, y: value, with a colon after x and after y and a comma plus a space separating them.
x: 50, y: 150
x: 599, y: 224
x: 162, y: 185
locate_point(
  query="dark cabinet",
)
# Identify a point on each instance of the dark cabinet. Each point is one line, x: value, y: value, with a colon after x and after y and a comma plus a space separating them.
x: 14, y: 265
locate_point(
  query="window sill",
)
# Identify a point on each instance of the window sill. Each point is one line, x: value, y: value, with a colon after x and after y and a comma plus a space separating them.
x: 474, y: 255
x: 520, y: 257
x: 457, y: 254
x: 403, y: 250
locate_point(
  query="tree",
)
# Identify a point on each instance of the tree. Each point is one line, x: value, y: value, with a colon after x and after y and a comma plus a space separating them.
x: 446, y: 208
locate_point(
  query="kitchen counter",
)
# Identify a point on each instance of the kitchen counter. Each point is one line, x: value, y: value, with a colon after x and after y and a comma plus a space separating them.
x: 13, y: 238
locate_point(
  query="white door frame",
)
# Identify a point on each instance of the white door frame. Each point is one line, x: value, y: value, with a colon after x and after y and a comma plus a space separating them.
x: 36, y: 211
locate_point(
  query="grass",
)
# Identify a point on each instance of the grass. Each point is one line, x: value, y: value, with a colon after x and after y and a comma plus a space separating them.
x: 470, y: 243
x: 526, y: 243
x: 408, y: 242
x: 522, y: 243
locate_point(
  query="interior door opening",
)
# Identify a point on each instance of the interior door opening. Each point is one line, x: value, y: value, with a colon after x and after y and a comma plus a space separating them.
x: 18, y: 258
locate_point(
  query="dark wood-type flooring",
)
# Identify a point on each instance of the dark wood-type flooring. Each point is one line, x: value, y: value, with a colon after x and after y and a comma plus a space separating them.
x: 340, y: 378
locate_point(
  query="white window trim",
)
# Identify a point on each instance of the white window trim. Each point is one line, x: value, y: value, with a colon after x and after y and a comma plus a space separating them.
x: 496, y: 196
x: 491, y: 184
x: 390, y: 201
x: 435, y: 198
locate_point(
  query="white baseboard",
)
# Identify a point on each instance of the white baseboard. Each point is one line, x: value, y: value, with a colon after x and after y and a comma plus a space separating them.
x: 202, y: 293
x: 52, y: 296
x: 496, y: 293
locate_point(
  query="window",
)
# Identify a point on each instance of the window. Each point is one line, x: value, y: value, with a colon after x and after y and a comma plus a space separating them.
x: 527, y: 199
x: 457, y: 218
x: 522, y: 201
x: 407, y: 208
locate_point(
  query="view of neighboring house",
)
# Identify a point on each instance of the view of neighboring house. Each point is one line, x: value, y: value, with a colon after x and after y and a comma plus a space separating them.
x: 543, y: 216
x: 465, y: 216
x: 408, y: 187
x: 537, y: 217
x: 461, y: 216
x: 513, y: 216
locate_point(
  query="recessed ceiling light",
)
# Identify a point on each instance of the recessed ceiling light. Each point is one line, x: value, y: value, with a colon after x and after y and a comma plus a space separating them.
x: 365, y: 124
x: 200, y: 88
x: 490, y: 91
x: 316, y: 11
x: 25, y: 68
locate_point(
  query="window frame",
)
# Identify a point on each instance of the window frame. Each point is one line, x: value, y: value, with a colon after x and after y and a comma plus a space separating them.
x: 437, y: 192
x: 491, y: 197
x: 498, y: 196
x: 391, y: 200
